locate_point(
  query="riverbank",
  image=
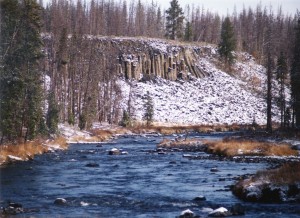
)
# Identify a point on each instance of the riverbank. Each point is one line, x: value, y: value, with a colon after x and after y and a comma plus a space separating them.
x: 103, y: 132
x: 278, y: 185
x: 10, y: 153
x: 100, y: 132
x: 271, y: 186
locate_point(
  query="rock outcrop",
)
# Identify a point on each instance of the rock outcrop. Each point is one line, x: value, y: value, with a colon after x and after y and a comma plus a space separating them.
x: 144, y: 59
x: 266, y: 192
x: 150, y: 62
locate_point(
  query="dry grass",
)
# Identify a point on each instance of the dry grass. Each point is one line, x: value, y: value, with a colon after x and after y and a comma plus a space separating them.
x: 24, y: 151
x: 61, y: 141
x: 287, y: 174
x: 181, y: 129
x: 249, y: 148
x: 28, y: 150
x: 167, y: 143
x: 85, y: 139
x: 105, y: 134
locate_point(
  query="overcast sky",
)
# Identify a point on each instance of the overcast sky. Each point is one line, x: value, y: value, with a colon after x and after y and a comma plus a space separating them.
x: 224, y: 6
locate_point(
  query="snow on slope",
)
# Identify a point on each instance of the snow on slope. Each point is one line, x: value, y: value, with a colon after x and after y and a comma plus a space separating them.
x: 219, y: 98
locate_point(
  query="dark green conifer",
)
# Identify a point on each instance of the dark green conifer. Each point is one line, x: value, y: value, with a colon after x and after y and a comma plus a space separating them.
x: 188, y: 33
x: 52, y: 114
x: 149, y: 110
x: 281, y: 77
x: 295, y: 77
x: 174, y: 22
x: 228, y: 43
x: 20, y: 77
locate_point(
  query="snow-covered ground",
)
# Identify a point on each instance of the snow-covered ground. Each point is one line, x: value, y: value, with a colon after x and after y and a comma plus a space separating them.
x: 219, y: 98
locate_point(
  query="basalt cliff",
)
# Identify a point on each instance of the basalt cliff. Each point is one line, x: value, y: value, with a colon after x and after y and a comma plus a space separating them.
x: 187, y: 82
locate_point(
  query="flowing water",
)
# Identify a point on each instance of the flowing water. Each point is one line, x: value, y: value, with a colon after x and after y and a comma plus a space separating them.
x: 139, y: 184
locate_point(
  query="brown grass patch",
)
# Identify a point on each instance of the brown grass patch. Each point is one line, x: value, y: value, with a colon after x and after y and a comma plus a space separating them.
x: 24, y: 151
x: 28, y: 150
x: 167, y: 143
x: 105, y: 134
x: 249, y: 148
x: 181, y: 129
x: 287, y: 174
x: 59, y: 141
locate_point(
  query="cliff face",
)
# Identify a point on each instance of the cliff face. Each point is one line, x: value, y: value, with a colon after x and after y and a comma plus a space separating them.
x: 101, y: 76
x: 169, y: 62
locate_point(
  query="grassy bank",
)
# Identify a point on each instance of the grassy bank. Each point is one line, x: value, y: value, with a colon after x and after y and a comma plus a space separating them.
x: 168, y: 129
x: 27, y: 151
x: 230, y: 148
x: 249, y: 148
x: 285, y: 175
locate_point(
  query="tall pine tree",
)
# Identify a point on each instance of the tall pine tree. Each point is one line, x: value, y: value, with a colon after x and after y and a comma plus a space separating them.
x: 281, y: 77
x: 11, y: 82
x: 228, y: 43
x: 20, y: 79
x: 174, y: 21
x: 188, y: 32
x: 295, y: 77
x: 149, y: 110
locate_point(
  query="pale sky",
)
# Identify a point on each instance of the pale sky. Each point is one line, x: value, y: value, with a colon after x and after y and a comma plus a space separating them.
x: 224, y: 6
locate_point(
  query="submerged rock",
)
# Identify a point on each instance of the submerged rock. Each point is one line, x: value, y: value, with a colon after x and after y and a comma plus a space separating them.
x: 200, y: 198
x: 214, y: 170
x: 237, y: 210
x: 92, y: 165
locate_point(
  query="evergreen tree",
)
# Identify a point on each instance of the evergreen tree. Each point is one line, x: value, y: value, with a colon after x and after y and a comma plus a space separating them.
x: 228, y: 43
x: 174, y: 21
x: 188, y: 33
x: 269, y: 63
x: 149, y: 110
x: 126, y: 121
x: 281, y: 77
x: 20, y: 79
x: 11, y: 83
x: 295, y: 77
x: 52, y: 114
x: 82, y: 121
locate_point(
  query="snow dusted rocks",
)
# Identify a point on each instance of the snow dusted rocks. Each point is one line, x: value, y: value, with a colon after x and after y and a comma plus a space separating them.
x: 214, y: 97
x: 11, y: 159
x: 220, y: 212
x: 266, y: 192
x: 60, y: 201
x: 218, y: 99
x: 187, y: 214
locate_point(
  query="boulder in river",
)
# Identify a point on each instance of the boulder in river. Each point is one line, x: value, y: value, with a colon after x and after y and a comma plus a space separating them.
x: 60, y: 201
x: 220, y: 212
x: 12, y: 209
x: 200, y: 198
x: 187, y: 214
x: 265, y: 192
x: 114, y: 151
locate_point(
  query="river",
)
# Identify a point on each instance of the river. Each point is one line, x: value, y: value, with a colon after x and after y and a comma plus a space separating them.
x: 140, y: 184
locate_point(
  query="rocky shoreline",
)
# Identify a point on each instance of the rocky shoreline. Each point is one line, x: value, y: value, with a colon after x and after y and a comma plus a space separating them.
x: 251, y: 188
